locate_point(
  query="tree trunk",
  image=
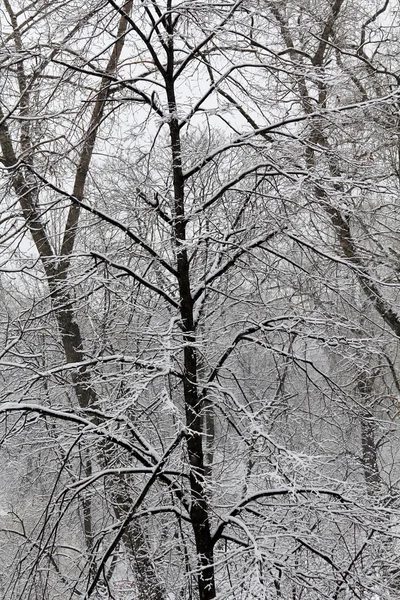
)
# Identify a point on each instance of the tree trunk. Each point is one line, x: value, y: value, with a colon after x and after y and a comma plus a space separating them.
x: 194, y: 404
x: 369, y: 454
x: 135, y: 541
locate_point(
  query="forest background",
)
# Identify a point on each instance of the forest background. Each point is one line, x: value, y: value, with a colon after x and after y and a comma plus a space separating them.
x: 199, y: 299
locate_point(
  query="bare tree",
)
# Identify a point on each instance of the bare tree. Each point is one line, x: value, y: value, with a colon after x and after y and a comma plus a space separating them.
x: 190, y: 233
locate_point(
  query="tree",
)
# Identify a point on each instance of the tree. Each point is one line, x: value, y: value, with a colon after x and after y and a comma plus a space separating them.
x: 185, y: 231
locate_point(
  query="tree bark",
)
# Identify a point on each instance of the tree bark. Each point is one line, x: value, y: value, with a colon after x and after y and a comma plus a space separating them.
x: 199, y: 512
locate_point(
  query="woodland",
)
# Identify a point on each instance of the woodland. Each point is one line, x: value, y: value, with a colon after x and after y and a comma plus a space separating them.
x: 199, y: 299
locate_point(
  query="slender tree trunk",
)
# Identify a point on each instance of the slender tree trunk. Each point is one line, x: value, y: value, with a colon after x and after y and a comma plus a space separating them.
x: 136, y: 543
x: 369, y: 453
x: 194, y: 404
x: 209, y: 430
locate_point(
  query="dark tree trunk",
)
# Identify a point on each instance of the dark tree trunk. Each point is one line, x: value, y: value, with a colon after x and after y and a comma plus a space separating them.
x: 199, y: 511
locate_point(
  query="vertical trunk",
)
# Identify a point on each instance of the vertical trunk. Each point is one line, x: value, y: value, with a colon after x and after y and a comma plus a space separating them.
x: 148, y: 585
x: 369, y: 454
x: 208, y: 421
x: 199, y: 512
x: 209, y: 430
x: 87, y: 504
x: 135, y: 541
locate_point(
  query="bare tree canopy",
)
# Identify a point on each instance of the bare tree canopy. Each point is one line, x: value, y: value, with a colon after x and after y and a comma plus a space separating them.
x: 199, y: 300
